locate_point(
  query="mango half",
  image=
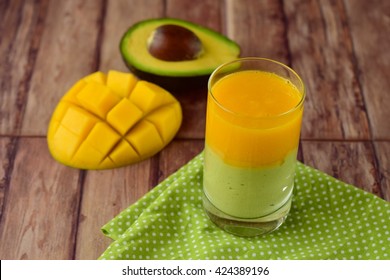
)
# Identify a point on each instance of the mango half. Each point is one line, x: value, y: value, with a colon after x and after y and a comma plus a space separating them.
x: 107, y: 121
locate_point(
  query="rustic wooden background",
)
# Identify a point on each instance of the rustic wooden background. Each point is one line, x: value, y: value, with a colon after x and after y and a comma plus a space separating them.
x: 49, y: 211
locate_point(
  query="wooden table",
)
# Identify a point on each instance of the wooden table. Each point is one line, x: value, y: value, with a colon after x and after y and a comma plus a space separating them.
x: 50, y: 211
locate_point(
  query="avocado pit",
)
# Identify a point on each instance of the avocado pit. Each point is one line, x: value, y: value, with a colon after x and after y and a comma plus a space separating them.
x: 172, y: 42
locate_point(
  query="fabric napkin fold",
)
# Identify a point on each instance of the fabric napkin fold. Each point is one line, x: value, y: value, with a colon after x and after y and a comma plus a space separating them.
x: 329, y: 219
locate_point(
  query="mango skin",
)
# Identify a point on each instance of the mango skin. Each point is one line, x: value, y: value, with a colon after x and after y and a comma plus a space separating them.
x: 109, y: 121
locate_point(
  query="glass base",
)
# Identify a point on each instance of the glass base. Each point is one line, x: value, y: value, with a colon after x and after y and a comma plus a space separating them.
x: 246, y: 227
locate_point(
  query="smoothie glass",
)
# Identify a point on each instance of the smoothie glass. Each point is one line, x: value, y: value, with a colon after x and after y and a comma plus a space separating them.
x: 254, y: 114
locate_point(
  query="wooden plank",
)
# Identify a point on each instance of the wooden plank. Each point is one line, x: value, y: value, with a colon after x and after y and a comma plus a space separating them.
x: 6, y: 150
x: 120, y: 15
x: 20, y: 31
x: 67, y: 52
x: 321, y: 52
x: 193, y: 104
x: 40, y: 212
x: 369, y: 22
x: 259, y: 28
x: 105, y: 194
x: 350, y: 162
x: 177, y: 154
x: 207, y: 14
x: 382, y: 149
x: 193, y: 100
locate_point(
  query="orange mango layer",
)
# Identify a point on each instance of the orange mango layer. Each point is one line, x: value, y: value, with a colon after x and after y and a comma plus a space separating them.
x: 246, y: 121
x: 106, y: 121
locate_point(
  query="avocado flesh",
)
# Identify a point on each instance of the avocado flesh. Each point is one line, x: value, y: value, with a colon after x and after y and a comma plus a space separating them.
x: 217, y: 49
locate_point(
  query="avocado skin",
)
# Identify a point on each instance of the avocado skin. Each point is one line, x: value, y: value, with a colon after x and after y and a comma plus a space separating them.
x: 173, y: 84
x: 180, y: 80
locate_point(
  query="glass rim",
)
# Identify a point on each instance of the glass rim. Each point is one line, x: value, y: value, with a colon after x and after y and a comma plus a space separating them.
x: 288, y: 68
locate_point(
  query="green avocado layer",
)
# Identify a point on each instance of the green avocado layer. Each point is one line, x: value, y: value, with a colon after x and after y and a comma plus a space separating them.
x: 248, y: 192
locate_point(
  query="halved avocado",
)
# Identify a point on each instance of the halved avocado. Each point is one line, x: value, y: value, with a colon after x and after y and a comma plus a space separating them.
x: 175, y: 53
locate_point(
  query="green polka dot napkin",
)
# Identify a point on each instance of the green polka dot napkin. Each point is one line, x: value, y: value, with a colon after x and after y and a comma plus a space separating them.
x: 328, y: 220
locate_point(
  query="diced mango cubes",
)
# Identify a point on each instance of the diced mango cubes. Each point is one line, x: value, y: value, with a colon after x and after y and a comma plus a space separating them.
x: 107, y: 121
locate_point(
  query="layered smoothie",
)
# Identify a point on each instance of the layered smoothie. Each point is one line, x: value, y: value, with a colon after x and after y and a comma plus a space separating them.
x: 252, y: 135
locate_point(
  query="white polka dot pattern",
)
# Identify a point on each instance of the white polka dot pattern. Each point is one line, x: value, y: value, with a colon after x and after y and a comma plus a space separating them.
x: 328, y: 220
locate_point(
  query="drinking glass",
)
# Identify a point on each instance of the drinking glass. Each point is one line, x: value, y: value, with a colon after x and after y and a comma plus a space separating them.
x: 254, y: 115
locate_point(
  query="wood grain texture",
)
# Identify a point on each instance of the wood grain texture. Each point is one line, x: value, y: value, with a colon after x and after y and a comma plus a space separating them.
x: 350, y: 162
x: 40, y: 214
x: 67, y: 52
x: 6, y: 150
x: 369, y: 22
x: 112, y: 191
x: 50, y: 211
x: 321, y: 52
x: 208, y: 14
x: 383, y: 153
x: 259, y: 28
x: 20, y: 30
x: 105, y: 194
x: 193, y: 105
x: 177, y: 154
x: 119, y: 16
x: 193, y: 100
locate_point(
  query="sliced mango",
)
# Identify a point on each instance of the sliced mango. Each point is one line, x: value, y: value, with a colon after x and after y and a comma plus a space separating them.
x: 97, y: 77
x: 121, y: 83
x: 145, y: 138
x: 108, y: 121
